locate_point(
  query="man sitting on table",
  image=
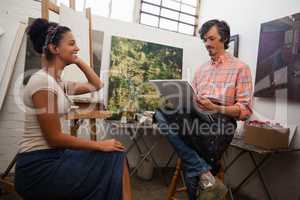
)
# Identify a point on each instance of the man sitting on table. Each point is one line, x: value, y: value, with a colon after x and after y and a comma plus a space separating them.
x: 224, y: 88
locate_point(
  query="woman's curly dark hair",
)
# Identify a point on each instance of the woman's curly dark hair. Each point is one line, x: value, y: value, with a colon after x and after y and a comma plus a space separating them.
x: 41, y: 33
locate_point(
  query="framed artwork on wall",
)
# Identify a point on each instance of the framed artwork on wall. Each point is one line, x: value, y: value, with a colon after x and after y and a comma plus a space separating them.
x: 132, y: 64
x: 278, y: 60
x: 234, y: 45
x: 32, y: 58
x: 98, y: 37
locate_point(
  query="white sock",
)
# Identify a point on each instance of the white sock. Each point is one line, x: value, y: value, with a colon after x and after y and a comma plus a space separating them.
x: 207, y: 180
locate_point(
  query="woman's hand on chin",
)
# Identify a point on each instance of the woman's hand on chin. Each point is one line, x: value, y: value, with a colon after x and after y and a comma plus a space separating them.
x: 77, y: 60
x: 81, y: 63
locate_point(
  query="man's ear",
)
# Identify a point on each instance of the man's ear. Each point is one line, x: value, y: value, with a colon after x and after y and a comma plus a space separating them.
x: 53, y: 49
x: 224, y: 40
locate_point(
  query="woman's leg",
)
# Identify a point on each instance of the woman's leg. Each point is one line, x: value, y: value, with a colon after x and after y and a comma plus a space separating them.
x: 126, y: 183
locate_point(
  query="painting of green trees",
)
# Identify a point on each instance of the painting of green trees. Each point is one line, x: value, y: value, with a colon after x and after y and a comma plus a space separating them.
x: 132, y: 64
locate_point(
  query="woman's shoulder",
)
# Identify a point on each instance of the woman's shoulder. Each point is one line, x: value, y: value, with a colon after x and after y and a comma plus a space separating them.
x: 40, y: 80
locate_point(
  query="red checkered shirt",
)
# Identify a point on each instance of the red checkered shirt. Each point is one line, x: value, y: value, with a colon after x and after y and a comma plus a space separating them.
x: 226, y: 81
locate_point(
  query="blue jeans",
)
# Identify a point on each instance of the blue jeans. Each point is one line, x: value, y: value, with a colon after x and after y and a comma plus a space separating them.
x: 193, y: 164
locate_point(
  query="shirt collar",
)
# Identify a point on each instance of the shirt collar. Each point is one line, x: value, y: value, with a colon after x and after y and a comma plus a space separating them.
x: 221, y: 59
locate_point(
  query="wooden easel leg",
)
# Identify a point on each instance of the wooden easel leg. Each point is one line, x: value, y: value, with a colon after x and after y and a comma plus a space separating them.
x: 93, y: 129
x: 10, y: 166
x: 8, y: 185
x: 74, y: 127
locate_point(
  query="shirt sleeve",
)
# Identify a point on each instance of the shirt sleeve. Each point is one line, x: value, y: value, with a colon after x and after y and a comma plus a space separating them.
x: 195, y: 79
x: 244, y: 96
x: 42, y: 83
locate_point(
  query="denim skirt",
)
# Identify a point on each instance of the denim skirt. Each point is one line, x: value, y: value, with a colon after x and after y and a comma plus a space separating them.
x: 56, y: 174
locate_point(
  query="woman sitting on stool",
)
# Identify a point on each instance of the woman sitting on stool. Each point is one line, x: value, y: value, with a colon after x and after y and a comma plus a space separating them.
x: 51, y: 164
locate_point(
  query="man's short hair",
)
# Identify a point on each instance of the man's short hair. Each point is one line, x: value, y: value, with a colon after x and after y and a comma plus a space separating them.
x: 223, y: 28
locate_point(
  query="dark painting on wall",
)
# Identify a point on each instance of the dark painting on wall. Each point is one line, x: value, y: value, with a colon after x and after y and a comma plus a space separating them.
x: 98, y: 37
x: 234, y: 46
x: 132, y: 64
x: 33, y: 59
x: 278, y: 64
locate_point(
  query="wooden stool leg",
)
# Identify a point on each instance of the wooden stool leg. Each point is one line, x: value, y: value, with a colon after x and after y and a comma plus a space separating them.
x: 173, y: 186
x: 221, y: 173
x: 174, y: 182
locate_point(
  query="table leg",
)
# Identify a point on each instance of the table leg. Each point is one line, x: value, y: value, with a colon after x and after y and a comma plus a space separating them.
x: 170, y: 159
x: 234, y: 160
x: 252, y: 172
x: 143, y: 159
x: 260, y: 176
x: 135, y: 141
x: 147, y: 147
x: 130, y: 147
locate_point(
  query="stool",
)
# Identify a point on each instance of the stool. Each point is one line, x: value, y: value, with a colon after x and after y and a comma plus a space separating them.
x: 172, y: 190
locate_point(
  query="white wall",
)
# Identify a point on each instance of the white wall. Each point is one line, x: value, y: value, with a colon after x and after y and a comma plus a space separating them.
x: 244, y: 17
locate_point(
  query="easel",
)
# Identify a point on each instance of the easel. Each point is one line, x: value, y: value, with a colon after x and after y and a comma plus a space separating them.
x: 47, y: 6
x: 78, y: 115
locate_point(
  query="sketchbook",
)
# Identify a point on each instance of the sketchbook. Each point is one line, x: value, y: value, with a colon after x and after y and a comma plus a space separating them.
x: 179, y: 94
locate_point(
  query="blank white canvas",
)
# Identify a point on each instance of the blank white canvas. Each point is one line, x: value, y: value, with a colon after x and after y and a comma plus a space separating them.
x: 1, y: 31
x: 10, y: 44
x: 79, y: 25
x: 6, y: 42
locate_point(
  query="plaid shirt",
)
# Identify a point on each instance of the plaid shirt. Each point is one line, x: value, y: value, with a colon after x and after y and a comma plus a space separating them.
x: 226, y: 81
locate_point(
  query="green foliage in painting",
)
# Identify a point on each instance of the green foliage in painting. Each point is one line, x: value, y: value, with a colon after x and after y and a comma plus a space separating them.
x: 132, y: 64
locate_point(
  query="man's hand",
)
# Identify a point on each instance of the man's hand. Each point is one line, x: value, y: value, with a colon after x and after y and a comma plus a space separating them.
x: 206, y: 104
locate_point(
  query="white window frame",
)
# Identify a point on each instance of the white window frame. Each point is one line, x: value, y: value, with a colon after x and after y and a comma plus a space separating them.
x: 139, y: 12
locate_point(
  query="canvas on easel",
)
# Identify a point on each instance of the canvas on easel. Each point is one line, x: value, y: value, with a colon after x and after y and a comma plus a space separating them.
x: 1, y: 31
x: 10, y: 44
x: 79, y: 25
x: 82, y: 30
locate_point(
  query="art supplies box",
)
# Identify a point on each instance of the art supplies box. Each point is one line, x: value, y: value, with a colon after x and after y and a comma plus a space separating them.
x: 269, y: 137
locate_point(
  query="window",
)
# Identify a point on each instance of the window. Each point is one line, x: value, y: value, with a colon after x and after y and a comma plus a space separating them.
x: 174, y: 15
x: 115, y: 9
x: 64, y: 2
